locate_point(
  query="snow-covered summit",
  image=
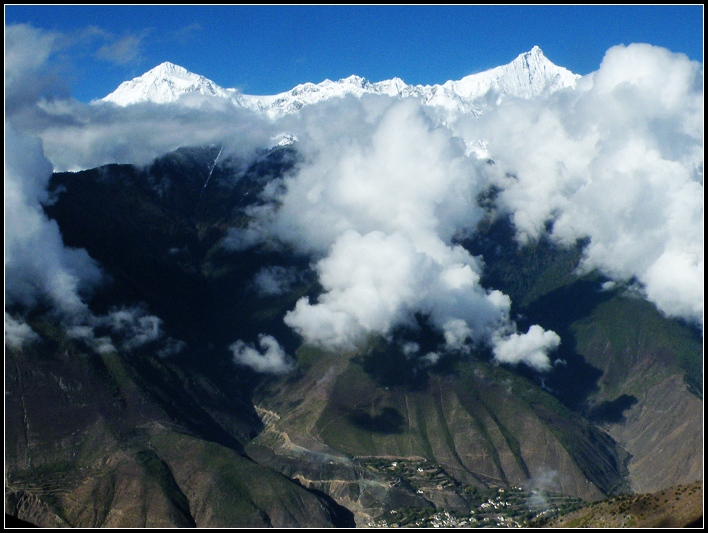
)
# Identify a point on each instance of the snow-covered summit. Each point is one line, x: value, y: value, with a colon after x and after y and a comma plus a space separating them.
x: 164, y: 84
x: 531, y: 74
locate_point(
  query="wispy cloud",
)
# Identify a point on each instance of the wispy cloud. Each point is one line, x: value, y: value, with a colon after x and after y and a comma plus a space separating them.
x: 122, y: 50
x: 186, y: 33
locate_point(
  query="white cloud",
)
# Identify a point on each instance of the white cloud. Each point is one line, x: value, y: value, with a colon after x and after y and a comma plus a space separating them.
x: 380, y: 198
x: 431, y: 358
x: 133, y: 326
x: 272, y: 360
x: 383, y: 190
x: 371, y: 167
x: 77, y: 136
x: 242, y: 239
x: 619, y: 160
x: 171, y: 347
x: 87, y: 334
x: 18, y: 333
x: 124, y: 329
x: 370, y: 285
x: 531, y: 348
x: 27, y: 76
x: 37, y: 264
x: 410, y: 349
x: 38, y: 267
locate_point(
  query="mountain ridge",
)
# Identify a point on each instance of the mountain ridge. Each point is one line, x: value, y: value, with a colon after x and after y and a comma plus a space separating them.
x: 528, y: 75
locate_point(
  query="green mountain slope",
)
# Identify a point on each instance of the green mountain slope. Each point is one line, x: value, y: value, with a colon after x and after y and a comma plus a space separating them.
x: 483, y: 425
x: 99, y: 441
x: 627, y: 367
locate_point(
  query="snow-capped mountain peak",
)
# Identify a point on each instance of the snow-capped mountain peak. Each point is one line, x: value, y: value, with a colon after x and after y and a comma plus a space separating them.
x: 163, y: 84
x: 531, y: 74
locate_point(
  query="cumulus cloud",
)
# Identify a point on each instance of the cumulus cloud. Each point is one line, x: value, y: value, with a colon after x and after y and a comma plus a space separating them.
x: 375, y: 165
x: 271, y: 359
x: 531, y: 348
x: 618, y: 160
x: 382, y: 195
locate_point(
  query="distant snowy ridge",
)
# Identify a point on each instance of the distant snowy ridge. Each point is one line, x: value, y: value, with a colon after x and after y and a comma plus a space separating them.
x: 529, y: 75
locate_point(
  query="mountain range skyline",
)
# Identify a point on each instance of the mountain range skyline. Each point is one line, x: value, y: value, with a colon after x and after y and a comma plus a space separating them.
x: 528, y: 75
x: 76, y: 136
x: 270, y: 49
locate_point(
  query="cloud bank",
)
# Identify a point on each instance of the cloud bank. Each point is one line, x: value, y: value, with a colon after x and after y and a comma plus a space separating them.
x: 618, y: 160
x: 381, y: 197
x: 385, y: 189
x: 77, y: 136
x: 37, y: 264
x: 39, y: 268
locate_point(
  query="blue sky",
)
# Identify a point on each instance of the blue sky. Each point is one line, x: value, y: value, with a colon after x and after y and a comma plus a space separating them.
x: 266, y: 50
